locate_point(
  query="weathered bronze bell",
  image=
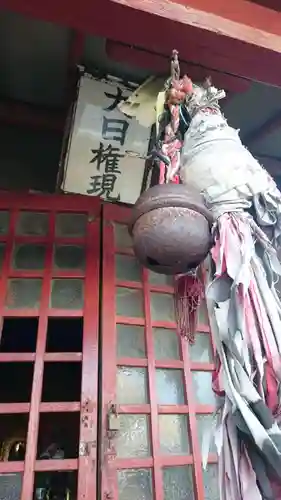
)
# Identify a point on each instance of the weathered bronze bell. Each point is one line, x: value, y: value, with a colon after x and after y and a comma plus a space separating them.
x: 170, y: 228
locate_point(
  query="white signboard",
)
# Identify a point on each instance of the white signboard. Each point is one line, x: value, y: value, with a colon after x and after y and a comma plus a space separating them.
x: 107, y: 148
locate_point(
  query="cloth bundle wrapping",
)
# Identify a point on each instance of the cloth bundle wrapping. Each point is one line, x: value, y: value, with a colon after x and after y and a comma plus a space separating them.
x: 243, y: 306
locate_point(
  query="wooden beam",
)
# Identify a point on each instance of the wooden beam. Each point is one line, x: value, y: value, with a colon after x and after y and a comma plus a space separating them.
x: 14, y: 113
x: 159, y: 64
x: 269, y: 126
x: 197, y: 46
x: 246, y: 22
x: 160, y: 33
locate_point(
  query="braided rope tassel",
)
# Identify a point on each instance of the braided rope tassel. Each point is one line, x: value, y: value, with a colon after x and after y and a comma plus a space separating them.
x: 188, y: 295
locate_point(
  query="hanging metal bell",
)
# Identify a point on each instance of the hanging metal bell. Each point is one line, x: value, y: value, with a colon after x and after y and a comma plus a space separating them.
x: 170, y: 228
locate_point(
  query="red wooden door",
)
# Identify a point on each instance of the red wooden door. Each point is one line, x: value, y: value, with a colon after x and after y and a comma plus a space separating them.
x: 49, y: 296
x: 160, y: 385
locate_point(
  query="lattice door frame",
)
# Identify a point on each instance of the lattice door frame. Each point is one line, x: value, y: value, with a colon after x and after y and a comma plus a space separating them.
x: 86, y: 462
x: 155, y: 461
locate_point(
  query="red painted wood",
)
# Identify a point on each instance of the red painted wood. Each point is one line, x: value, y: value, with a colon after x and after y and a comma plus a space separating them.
x: 159, y: 493
x: 47, y: 202
x: 33, y: 424
x: 132, y: 362
x: 11, y: 467
x: 63, y: 357
x: 176, y: 364
x: 39, y: 274
x: 40, y: 466
x: 160, y: 64
x: 125, y: 320
x: 44, y: 240
x: 204, y: 14
x: 198, y: 477
x: 204, y: 367
x: 89, y: 396
x: 130, y: 284
x: 6, y: 261
x: 161, y: 288
x: 9, y: 408
x: 56, y: 465
x: 52, y: 313
x: 57, y: 407
x: 134, y: 409
x: 163, y: 409
x: 89, y: 357
x: 7, y: 357
x: 205, y: 48
x: 110, y: 362
x: 245, y: 12
x: 61, y: 313
x: 88, y: 406
x: 157, y: 324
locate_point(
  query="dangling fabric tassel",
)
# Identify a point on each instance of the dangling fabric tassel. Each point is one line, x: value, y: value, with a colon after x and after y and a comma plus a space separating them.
x: 188, y: 294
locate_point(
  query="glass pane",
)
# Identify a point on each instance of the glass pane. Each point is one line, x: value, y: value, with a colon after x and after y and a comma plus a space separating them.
x: 173, y: 434
x: 131, y: 385
x: 134, y: 484
x: 166, y: 344
x: 2, y: 253
x: 122, y: 237
x: 23, y: 293
x: 71, y: 225
x: 203, y: 314
x: 162, y: 307
x: 169, y: 387
x: 69, y: 257
x: 127, y: 268
x: 132, y: 439
x: 130, y: 341
x: 201, y: 350
x: 211, y: 484
x: 202, y: 386
x: 160, y: 279
x: 32, y: 224
x: 129, y: 302
x: 67, y: 294
x: 204, y: 424
x: 178, y: 483
x: 10, y: 486
x: 4, y: 222
x: 29, y: 257
x: 56, y: 485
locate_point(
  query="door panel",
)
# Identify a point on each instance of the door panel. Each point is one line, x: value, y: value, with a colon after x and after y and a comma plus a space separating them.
x: 49, y: 299
x: 159, y: 386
